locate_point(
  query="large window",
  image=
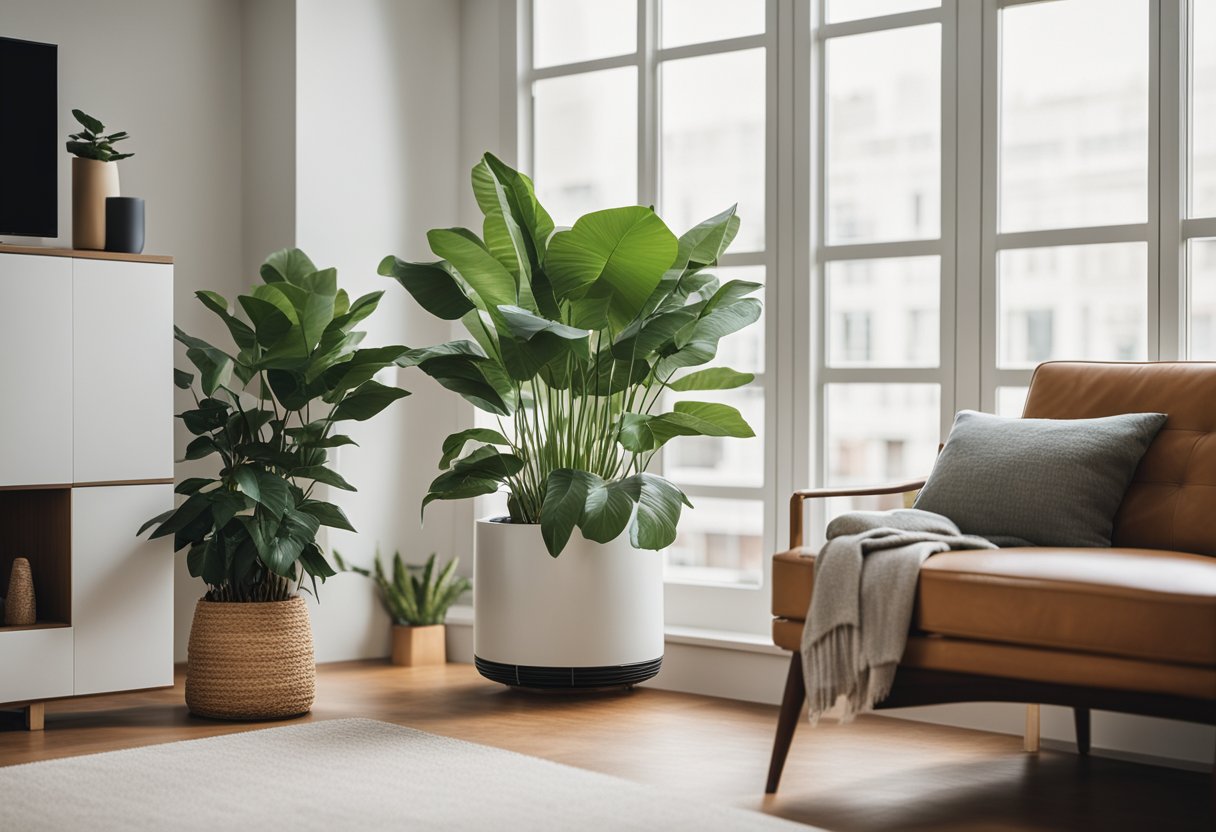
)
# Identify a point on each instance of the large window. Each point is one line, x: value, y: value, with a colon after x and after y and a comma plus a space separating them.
x: 666, y: 103
x: 949, y: 191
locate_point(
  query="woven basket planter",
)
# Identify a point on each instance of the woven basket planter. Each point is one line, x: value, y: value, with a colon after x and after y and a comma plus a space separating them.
x: 251, y: 661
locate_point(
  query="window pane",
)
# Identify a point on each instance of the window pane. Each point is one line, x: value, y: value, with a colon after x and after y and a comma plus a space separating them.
x: 713, y: 142
x: 713, y: 460
x: 839, y: 10
x: 585, y: 142
x: 878, y: 433
x: 884, y: 135
x: 1201, y: 255
x: 566, y: 31
x: 884, y: 313
x: 1203, y: 109
x: 1072, y: 302
x: 699, y: 21
x: 1074, y: 114
x: 719, y: 541
x: 1010, y: 401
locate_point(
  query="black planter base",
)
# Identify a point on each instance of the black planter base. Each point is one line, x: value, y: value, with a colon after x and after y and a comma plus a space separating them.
x: 568, y: 678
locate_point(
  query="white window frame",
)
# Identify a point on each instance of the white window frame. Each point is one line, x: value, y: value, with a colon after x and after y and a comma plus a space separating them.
x: 706, y: 605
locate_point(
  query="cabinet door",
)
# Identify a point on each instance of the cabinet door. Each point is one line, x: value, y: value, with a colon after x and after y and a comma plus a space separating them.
x: 122, y: 589
x: 35, y: 369
x: 35, y: 664
x: 123, y: 371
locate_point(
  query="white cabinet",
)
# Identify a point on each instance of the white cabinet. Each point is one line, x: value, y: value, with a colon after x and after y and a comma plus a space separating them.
x: 35, y: 664
x: 122, y: 371
x: 122, y: 589
x: 35, y: 370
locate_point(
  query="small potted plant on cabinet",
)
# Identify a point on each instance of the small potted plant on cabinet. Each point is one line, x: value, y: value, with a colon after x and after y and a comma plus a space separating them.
x: 267, y: 413
x: 580, y: 338
x: 94, y: 178
x: 417, y: 598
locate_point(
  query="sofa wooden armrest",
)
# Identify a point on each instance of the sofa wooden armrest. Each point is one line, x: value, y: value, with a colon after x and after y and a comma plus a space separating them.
x: 798, y: 497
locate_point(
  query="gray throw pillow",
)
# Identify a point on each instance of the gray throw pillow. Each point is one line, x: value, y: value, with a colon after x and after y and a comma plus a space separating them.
x: 1042, y: 482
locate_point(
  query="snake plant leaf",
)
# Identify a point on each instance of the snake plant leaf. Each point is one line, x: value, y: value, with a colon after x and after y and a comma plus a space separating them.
x: 490, y: 281
x: 431, y: 284
x: 607, y: 511
x: 565, y: 496
x: 618, y: 255
x: 455, y: 443
x: 366, y: 400
x: 659, y: 505
x: 713, y: 378
x: 289, y: 265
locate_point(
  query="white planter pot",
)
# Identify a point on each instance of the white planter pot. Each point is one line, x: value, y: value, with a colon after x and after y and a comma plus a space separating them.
x: 592, y: 617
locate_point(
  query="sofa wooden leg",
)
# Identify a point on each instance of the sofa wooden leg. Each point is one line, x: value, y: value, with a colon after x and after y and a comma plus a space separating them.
x: 1080, y: 718
x: 791, y: 711
x: 35, y: 716
x: 1030, y: 740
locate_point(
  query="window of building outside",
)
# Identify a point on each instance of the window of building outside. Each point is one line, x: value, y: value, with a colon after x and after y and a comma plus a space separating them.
x: 990, y: 185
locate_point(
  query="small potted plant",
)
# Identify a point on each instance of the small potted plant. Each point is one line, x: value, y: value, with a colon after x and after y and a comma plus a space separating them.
x: 580, y: 339
x: 94, y: 178
x: 266, y: 413
x: 417, y: 598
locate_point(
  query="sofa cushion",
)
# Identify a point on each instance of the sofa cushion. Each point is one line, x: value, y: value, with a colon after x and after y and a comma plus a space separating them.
x: 1172, y: 498
x: 1043, y: 482
x: 1134, y: 603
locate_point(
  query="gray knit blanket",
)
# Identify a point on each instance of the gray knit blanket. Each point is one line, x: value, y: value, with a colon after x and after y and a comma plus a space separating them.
x: 861, y: 603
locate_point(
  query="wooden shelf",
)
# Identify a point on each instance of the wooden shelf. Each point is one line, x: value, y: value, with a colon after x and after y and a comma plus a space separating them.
x: 85, y: 254
x: 41, y: 625
x: 37, y: 524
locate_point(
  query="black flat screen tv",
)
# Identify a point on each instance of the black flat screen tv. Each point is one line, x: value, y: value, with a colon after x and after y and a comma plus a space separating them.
x: 29, y: 138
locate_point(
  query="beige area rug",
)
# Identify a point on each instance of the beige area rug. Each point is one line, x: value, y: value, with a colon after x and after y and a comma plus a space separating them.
x: 345, y: 774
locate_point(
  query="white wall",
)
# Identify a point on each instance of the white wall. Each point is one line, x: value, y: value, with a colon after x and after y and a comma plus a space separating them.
x: 377, y: 165
x: 170, y: 74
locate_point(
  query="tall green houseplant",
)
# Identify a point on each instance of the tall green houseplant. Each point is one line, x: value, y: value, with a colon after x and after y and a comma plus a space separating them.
x: 267, y: 411
x: 579, y: 336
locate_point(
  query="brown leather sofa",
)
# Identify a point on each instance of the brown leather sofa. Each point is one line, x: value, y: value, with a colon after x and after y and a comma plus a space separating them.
x: 1131, y: 628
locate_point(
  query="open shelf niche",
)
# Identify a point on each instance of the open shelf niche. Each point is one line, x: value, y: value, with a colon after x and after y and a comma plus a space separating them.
x: 36, y: 523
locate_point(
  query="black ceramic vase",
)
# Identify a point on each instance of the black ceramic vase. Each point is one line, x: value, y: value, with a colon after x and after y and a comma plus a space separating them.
x: 125, y: 224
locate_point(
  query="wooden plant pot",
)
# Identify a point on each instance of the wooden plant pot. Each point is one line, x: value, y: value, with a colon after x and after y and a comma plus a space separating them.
x: 419, y: 646
x: 92, y: 182
x: 251, y: 661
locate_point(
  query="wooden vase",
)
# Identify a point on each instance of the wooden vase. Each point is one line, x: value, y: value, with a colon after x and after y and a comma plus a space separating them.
x: 92, y: 183
x: 19, y: 607
x: 419, y: 646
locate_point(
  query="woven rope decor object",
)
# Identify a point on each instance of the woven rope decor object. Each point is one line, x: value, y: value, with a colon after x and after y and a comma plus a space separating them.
x: 250, y: 661
x: 19, y: 608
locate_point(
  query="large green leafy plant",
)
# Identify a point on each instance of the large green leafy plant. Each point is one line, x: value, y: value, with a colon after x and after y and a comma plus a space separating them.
x: 578, y: 336
x: 267, y: 411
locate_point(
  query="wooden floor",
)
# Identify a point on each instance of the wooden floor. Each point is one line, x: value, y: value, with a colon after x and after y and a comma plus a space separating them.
x: 877, y: 773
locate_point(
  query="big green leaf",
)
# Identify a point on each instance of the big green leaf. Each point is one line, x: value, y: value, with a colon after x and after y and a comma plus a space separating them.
x: 288, y: 265
x: 525, y: 208
x: 618, y: 255
x: 327, y: 514
x: 455, y: 443
x: 481, y: 472
x: 213, y: 364
x: 607, y: 511
x: 714, y: 378
x: 431, y: 284
x: 366, y: 400
x: 323, y: 475
x: 641, y: 433
x: 489, y: 279
x: 658, y: 514
x: 240, y: 331
x: 565, y: 496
